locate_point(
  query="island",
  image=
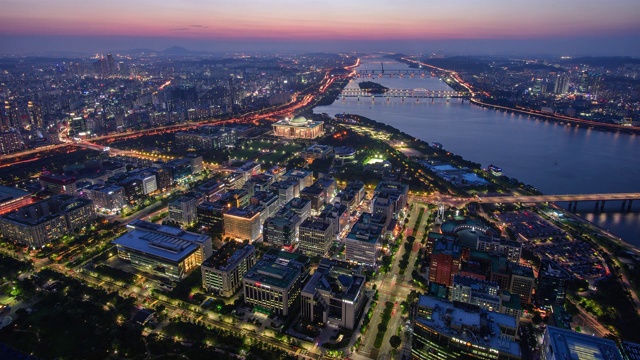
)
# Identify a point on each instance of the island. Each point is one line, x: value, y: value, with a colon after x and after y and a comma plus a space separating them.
x: 373, y: 87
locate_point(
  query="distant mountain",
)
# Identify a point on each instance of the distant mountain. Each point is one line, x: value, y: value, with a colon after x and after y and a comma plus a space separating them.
x: 614, y: 61
x: 177, y: 50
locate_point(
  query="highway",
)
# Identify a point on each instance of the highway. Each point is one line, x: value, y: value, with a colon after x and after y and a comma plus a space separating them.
x: 513, y: 199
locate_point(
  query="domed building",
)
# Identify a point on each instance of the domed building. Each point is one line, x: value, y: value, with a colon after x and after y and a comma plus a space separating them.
x: 298, y: 128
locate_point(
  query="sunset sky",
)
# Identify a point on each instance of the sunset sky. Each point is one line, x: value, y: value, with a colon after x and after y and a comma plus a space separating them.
x: 90, y: 25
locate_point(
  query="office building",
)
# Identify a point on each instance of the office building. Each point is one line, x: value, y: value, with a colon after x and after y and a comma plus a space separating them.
x: 286, y: 190
x: 108, y: 197
x: 222, y: 272
x: 38, y: 224
x: 521, y: 282
x: 282, y: 230
x: 273, y: 285
x: 561, y: 344
x: 243, y: 224
x: 334, y: 295
x: 184, y: 210
x: 443, y: 330
x: 445, y: 262
x: 304, y: 177
x: 484, y: 294
x: 12, y: 198
x: 363, y: 243
x: 59, y: 184
x: 316, y: 237
x: 552, y: 284
x: 165, y: 251
x: 300, y: 206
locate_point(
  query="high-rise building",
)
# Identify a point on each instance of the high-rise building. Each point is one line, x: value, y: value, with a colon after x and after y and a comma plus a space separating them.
x: 282, y: 230
x: 222, y: 273
x: 445, y: 262
x: 316, y: 237
x: 184, y: 209
x: 273, y: 285
x: 484, y: 294
x: 242, y: 224
x: 363, y: 243
x: 552, y: 284
x: 10, y: 141
x: 561, y: 85
x: 334, y: 294
x: 521, y: 282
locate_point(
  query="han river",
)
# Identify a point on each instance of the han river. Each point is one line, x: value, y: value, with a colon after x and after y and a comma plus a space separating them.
x: 555, y: 158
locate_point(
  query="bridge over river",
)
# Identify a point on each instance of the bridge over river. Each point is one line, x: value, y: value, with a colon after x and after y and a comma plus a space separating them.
x: 626, y: 199
x: 406, y: 93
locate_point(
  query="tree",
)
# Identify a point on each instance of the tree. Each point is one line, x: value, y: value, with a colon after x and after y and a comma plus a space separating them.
x: 395, y: 341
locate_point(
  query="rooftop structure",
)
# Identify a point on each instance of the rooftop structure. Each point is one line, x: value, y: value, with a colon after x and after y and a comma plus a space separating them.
x: 334, y: 294
x: 561, y: 344
x: 12, y: 199
x: 274, y: 283
x: 222, y: 272
x: 164, y: 250
x: 446, y: 330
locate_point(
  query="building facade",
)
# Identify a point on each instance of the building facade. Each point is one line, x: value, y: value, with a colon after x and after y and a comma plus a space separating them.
x: 273, y: 285
x: 222, y: 272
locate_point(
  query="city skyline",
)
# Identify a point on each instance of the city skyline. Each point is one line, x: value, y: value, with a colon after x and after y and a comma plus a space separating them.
x: 573, y: 27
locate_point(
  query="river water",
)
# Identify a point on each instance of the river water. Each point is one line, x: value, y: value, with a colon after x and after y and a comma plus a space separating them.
x: 555, y: 158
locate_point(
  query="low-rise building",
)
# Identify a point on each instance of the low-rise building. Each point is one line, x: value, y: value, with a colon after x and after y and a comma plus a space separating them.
x: 222, y: 272
x: 298, y: 128
x: 163, y: 250
x: 334, y: 295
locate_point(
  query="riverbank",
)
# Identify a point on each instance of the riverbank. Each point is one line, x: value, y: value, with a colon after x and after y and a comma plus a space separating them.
x: 559, y: 118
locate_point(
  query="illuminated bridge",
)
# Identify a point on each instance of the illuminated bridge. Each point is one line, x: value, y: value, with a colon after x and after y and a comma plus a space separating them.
x: 572, y: 199
x: 395, y: 73
x: 626, y: 199
x: 406, y: 93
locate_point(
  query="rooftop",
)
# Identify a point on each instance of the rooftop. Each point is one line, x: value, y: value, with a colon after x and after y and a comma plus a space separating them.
x: 166, y: 242
x: 10, y: 193
x: 228, y: 255
x: 278, y: 268
x: 568, y: 344
x: 478, y: 327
